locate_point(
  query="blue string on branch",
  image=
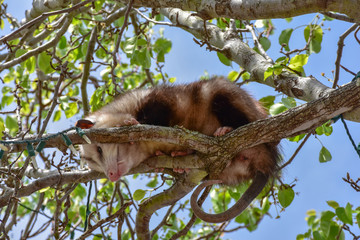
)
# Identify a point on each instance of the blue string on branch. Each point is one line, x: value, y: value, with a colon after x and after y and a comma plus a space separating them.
x: 42, y: 142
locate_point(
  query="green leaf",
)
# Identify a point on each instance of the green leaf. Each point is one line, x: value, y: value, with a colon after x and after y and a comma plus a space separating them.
x: 152, y: 183
x: 220, y: 200
x: 326, y: 221
x: 20, y: 52
x: 235, y: 195
x: 232, y: 75
x: 44, y: 62
x: 267, y: 101
x: 277, y: 108
x: 315, y: 42
x: 342, y: 215
x: 286, y: 195
x: 269, y: 72
x: 300, y: 237
x: 265, y: 43
x: 57, y: 116
x: 285, y: 37
x: 71, y: 110
x: 12, y: 125
x: 245, y: 76
x: 79, y: 191
x: 129, y: 45
x: 296, y: 138
x: 6, y: 100
x: 324, y: 155
x: 62, y: 43
x: 265, y: 205
x: 224, y: 59
x: 298, y: 61
x: 318, y: 236
x: 327, y: 215
x: 289, y: 102
x: 30, y: 64
x: 324, y: 129
x: 332, y: 204
x: 2, y: 128
x: 162, y: 45
x: 357, y: 216
x: 172, y: 79
x: 143, y: 58
x: 139, y: 194
x: 348, y: 212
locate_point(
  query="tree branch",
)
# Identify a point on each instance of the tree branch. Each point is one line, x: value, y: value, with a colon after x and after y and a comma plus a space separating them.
x: 250, y: 10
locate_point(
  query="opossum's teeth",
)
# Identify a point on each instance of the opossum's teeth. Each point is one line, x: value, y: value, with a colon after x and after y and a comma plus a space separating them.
x: 131, y: 121
x: 182, y: 153
x: 221, y: 131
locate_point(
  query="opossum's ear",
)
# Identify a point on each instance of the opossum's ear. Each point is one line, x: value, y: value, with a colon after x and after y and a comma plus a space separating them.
x: 84, y: 124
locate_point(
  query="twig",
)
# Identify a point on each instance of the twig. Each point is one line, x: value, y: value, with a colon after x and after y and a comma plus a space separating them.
x: 339, y: 52
x: 296, y: 152
x: 257, y: 43
x: 118, y: 213
x: 339, y: 16
x: 191, y: 222
x: 154, y: 21
x: 163, y: 222
x: 86, y: 72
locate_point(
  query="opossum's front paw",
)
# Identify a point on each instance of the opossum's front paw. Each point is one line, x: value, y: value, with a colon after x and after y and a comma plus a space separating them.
x: 182, y: 153
x: 181, y: 170
x: 131, y: 121
x: 221, y: 131
x: 159, y: 153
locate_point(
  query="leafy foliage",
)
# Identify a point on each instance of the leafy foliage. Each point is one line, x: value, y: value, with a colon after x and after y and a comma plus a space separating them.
x: 57, y: 67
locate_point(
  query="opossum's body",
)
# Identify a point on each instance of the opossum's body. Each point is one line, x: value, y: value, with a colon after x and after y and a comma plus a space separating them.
x: 204, y: 106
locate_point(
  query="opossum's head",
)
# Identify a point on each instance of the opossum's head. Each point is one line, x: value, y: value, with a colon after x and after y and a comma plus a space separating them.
x: 115, y: 160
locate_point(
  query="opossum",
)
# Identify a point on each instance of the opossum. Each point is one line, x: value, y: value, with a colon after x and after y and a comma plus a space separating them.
x: 212, y: 107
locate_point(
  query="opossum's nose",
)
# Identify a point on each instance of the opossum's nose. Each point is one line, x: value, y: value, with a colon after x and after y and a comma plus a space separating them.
x: 114, y: 175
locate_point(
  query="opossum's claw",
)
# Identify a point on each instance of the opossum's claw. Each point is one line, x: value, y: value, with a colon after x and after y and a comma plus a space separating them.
x: 131, y: 121
x: 221, y: 131
x: 159, y: 153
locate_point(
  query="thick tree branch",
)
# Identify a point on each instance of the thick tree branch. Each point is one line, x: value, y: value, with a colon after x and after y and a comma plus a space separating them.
x: 52, y: 180
x: 261, y: 9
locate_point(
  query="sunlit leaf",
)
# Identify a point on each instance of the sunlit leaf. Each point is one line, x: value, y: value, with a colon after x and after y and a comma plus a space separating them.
x: 224, y: 59
x: 139, y: 194
x: 324, y: 155
x: 286, y: 195
x: 277, y: 108
x: 285, y: 37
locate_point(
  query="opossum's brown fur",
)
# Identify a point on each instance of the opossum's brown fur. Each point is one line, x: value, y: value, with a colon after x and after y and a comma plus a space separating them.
x: 203, y: 106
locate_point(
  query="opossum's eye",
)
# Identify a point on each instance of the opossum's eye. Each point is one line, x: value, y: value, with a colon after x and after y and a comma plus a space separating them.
x: 99, y: 150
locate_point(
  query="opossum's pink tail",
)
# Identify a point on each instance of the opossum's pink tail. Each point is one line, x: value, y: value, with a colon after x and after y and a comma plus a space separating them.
x: 250, y: 194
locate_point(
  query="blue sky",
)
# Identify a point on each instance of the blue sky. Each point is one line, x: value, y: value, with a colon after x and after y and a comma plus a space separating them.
x: 316, y: 182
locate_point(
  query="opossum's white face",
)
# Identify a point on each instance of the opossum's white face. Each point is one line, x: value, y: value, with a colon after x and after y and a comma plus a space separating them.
x: 115, y: 160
